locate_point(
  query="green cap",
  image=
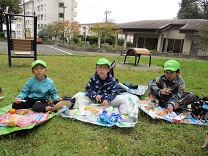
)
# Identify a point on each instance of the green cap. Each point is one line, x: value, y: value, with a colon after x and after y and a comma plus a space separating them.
x: 172, y: 65
x: 103, y: 61
x: 39, y: 62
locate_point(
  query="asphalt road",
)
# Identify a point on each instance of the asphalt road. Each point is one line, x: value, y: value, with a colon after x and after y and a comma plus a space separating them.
x: 44, y: 49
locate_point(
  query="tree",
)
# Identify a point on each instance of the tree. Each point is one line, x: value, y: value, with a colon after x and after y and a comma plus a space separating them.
x: 202, y: 36
x: 104, y: 30
x: 71, y: 30
x: 189, y: 9
x: 203, y: 4
x: 54, y: 29
x: 42, y: 32
x: 14, y: 6
x: 193, y: 9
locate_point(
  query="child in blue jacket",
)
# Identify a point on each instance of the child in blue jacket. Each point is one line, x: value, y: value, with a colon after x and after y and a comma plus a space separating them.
x: 102, y: 87
x: 38, y: 90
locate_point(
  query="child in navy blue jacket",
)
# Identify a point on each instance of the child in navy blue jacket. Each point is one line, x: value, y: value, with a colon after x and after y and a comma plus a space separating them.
x: 102, y: 87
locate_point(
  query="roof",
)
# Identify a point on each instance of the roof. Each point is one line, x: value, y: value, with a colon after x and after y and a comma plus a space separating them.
x: 187, y: 25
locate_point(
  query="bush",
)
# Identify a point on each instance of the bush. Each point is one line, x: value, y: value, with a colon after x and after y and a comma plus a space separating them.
x: 48, y: 41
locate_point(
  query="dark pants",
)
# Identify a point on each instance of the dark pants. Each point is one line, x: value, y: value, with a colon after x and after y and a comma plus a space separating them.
x: 36, y: 105
x: 186, y: 99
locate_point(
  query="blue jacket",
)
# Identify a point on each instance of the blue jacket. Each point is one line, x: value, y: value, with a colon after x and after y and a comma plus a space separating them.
x: 108, y: 90
x: 36, y: 89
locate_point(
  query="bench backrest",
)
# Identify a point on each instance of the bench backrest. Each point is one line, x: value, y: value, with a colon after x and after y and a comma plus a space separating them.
x: 22, y: 44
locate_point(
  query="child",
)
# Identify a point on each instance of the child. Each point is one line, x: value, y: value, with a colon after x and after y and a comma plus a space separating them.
x: 169, y: 88
x: 102, y: 87
x: 37, y: 91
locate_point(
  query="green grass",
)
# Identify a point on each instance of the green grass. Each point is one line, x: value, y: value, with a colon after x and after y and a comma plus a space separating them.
x: 64, y: 136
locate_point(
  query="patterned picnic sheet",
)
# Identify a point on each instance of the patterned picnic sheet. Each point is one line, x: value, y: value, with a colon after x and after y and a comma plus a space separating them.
x: 20, y: 122
x: 156, y: 112
x: 95, y: 113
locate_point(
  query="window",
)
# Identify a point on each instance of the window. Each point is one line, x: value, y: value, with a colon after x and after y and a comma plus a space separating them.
x: 61, y: 5
x: 149, y: 43
x: 175, y: 46
x: 61, y: 15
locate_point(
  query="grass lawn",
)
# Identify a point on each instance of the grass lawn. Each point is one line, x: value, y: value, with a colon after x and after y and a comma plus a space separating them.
x: 62, y: 136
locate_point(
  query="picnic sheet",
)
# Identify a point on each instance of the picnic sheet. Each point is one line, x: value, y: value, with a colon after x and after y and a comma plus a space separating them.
x: 26, y: 121
x: 103, y: 115
x: 157, y: 112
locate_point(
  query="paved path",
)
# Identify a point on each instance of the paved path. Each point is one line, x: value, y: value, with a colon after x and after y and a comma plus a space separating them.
x: 57, y: 50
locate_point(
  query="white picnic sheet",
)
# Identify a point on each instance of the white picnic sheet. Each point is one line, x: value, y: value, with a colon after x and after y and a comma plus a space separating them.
x: 184, y: 118
x: 95, y: 113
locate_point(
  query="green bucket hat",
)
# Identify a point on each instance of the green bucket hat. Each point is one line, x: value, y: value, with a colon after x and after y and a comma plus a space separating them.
x: 39, y: 62
x: 172, y: 65
x: 103, y: 61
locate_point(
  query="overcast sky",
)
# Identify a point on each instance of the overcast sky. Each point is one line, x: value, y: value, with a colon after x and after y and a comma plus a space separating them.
x: 92, y: 11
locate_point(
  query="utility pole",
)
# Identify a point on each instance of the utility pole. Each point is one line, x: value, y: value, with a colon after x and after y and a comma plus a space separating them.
x: 106, y: 14
x: 63, y: 21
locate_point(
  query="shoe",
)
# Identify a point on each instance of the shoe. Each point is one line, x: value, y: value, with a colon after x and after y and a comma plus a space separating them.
x: 152, y: 102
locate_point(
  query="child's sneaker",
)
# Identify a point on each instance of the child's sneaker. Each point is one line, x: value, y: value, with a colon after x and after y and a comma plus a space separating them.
x: 152, y: 102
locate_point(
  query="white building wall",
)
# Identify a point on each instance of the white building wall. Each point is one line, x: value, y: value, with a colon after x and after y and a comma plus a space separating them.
x: 47, y: 11
x: 174, y: 34
x: 187, y: 44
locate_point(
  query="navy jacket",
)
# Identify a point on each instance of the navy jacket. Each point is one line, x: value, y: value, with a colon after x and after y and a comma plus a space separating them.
x: 108, y: 90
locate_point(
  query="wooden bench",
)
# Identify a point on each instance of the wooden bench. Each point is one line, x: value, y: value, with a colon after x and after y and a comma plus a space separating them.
x: 21, y: 48
x: 137, y: 52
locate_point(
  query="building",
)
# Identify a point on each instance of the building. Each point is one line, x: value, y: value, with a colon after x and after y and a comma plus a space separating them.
x: 47, y: 11
x: 85, y: 31
x: 175, y: 36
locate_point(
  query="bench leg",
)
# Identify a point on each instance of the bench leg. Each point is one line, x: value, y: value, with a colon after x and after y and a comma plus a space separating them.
x: 150, y: 59
x: 125, y: 59
x: 10, y: 61
x: 139, y: 55
x: 135, y: 60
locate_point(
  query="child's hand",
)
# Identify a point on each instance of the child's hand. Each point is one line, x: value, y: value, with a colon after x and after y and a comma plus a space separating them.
x: 17, y: 100
x: 59, y: 99
x: 98, y: 97
x: 165, y: 91
x: 170, y: 108
x: 104, y: 103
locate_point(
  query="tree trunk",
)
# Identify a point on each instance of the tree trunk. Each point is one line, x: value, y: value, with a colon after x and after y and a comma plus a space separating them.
x: 98, y: 42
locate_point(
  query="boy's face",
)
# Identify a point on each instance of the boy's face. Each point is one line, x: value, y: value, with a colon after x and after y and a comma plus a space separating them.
x: 102, y: 71
x: 171, y: 75
x: 39, y: 71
